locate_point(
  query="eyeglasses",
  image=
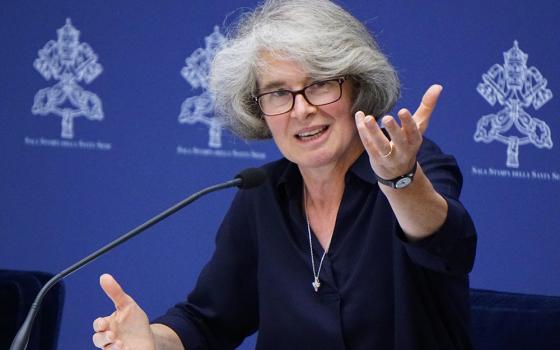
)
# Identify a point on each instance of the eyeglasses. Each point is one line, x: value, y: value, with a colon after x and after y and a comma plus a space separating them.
x: 319, y: 93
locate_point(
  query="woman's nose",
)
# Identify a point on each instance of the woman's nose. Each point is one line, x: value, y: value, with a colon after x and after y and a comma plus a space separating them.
x: 302, y: 108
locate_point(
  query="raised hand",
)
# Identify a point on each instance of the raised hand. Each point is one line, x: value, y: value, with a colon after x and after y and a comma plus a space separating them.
x: 390, y: 159
x: 125, y: 329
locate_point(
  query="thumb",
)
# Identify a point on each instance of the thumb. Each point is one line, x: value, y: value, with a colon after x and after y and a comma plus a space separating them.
x: 114, y: 291
x: 427, y: 106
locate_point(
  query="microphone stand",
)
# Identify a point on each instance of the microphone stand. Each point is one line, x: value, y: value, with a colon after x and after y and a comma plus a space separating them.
x: 22, y: 337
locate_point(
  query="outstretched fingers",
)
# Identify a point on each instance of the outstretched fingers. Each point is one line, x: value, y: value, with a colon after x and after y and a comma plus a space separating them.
x: 375, y: 142
x: 410, y: 130
x: 391, y: 127
x: 427, y: 106
x: 394, y: 155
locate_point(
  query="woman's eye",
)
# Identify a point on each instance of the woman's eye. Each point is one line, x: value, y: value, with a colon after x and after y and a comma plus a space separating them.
x: 320, y: 85
x: 279, y: 93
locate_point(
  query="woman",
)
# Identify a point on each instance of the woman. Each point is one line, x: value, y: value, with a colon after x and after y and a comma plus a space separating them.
x: 357, y: 240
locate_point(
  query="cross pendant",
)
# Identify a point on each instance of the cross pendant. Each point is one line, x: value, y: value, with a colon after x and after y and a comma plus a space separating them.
x: 316, y: 284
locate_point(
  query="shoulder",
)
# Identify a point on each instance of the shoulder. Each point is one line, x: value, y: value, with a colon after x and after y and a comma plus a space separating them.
x: 441, y: 168
x: 276, y: 172
x: 249, y: 205
x: 431, y: 154
x: 429, y: 147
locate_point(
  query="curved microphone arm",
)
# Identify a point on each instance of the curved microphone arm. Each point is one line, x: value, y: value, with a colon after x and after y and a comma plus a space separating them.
x: 244, y: 180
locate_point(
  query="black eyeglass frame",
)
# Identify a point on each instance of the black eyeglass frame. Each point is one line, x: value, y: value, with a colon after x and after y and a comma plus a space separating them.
x: 301, y: 91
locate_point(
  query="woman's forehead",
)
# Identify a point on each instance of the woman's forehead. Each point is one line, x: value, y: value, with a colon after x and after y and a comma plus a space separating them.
x: 274, y: 70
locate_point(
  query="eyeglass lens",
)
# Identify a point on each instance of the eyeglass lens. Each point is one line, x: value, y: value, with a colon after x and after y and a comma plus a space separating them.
x: 318, y: 94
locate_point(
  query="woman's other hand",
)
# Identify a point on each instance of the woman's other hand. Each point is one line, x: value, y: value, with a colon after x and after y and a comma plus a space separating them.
x: 128, y: 327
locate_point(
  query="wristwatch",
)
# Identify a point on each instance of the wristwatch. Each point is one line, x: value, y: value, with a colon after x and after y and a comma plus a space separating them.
x: 400, y: 181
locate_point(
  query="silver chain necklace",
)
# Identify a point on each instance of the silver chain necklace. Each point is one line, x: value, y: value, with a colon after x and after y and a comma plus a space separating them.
x: 316, y: 283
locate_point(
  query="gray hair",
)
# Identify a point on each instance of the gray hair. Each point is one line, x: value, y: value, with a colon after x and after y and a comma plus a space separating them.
x: 325, y: 39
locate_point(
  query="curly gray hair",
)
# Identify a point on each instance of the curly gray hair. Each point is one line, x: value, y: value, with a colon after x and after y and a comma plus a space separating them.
x: 325, y: 39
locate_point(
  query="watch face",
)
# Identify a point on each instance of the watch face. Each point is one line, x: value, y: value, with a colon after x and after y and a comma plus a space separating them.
x: 405, y: 181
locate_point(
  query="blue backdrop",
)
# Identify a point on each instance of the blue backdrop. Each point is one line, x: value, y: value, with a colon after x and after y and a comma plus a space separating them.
x: 105, y: 122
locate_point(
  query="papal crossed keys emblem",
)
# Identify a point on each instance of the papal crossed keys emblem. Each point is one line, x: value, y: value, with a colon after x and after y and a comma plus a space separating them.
x: 70, y: 62
x: 516, y: 87
x: 199, y: 109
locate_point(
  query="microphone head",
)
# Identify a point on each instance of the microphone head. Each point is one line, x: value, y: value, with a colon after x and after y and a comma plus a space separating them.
x: 251, y: 177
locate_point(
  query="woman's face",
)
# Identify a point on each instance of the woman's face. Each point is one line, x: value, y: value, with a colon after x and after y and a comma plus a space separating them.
x: 310, y: 136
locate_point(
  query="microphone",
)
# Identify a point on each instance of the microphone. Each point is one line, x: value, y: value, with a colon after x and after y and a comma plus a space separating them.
x: 248, y: 178
x: 251, y: 177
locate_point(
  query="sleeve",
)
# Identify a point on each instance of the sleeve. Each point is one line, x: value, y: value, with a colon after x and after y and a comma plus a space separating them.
x: 451, y: 249
x: 223, y: 307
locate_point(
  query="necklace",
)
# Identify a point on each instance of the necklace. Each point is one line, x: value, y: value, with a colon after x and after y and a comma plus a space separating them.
x: 316, y: 283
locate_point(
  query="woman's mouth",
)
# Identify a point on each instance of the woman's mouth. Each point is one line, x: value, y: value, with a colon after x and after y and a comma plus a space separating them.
x: 312, y: 134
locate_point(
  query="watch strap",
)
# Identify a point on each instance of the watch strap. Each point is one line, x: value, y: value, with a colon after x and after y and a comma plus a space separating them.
x: 399, y: 181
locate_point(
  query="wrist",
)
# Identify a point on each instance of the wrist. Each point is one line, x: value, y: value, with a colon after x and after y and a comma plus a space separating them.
x: 401, y: 181
x: 165, y: 338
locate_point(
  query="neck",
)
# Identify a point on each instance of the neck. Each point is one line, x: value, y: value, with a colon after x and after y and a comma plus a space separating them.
x: 325, y: 185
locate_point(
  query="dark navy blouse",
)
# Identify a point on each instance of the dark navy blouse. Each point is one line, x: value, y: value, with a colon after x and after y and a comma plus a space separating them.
x: 378, y: 291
